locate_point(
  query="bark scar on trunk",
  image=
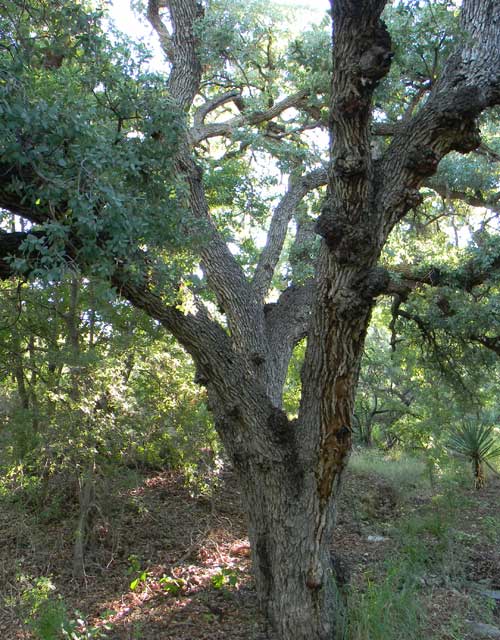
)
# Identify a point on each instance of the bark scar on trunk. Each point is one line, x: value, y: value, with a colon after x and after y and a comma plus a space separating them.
x: 336, y: 441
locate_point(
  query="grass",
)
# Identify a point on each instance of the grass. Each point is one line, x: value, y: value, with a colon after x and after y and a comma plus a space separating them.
x: 430, y: 551
x: 404, y: 473
x: 387, y: 609
x: 389, y: 606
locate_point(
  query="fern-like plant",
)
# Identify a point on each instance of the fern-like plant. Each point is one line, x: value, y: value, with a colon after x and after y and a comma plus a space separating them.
x: 479, y: 443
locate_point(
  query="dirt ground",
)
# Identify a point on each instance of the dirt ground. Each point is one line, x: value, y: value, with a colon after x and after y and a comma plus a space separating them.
x: 188, y: 558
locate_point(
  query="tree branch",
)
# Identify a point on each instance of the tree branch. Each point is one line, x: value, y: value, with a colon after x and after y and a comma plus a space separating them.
x: 20, y: 204
x: 297, y: 189
x: 224, y: 275
x: 10, y: 244
x: 287, y: 319
x: 153, y: 15
x: 203, y: 338
x: 490, y: 342
x: 469, y: 84
x: 487, y: 152
x: 287, y: 322
x: 180, y: 47
x: 214, y: 129
x: 469, y: 275
x: 210, y: 105
x: 476, y: 200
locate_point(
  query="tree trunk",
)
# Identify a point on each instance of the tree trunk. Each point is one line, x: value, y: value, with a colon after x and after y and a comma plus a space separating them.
x: 291, y: 479
x: 291, y: 564
x: 18, y: 372
x: 86, y: 499
x: 73, y: 338
x: 479, y: 477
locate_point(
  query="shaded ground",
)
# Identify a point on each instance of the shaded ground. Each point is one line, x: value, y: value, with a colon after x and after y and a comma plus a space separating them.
x: 188, y: 559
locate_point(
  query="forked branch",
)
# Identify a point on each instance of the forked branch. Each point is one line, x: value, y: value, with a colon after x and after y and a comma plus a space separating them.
x: 297, y: 189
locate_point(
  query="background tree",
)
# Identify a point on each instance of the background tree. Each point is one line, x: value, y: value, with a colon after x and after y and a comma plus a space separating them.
x: 116, y: 170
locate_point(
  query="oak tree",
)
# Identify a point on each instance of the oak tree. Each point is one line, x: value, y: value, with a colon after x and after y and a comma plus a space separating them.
x: 116, y: 169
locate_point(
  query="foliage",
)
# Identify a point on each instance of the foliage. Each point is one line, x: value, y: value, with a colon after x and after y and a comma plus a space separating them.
x: 478, y: 442
x: 82, y: 115
x: 427, y: 549
x: 225, y: 577
x: 134, y: 569
x: 423, y: 36
x: 142, y: 577
x: 80, y: 413
x: 44, y: 612
x: 382, y: 610
x: 407, y: 474
x: 171, y: 585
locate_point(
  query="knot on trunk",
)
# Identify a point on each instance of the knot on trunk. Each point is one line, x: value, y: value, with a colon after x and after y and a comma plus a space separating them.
x: 353, y: 304
x: 349, y: 105
x: 405, y: 200
x: 422, y: 160
x: 467, y: 138
x: 457, y: 118
x: 412, y: 198
x: 281, y: 427
x: 201, y: 377
x: 461, y: 102
x: 374, y: 283
x: 343, y: 435
x: 257, y: 358
x: 350, y: 241
x: 375, y: 61
x: 314, y: 579
x: 348, y: 165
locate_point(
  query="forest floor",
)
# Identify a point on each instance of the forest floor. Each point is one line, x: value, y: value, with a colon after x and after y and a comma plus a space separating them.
x: 164, y: 562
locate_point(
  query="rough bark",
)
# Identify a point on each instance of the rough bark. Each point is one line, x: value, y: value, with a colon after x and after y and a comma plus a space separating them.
x: 291, y: 471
